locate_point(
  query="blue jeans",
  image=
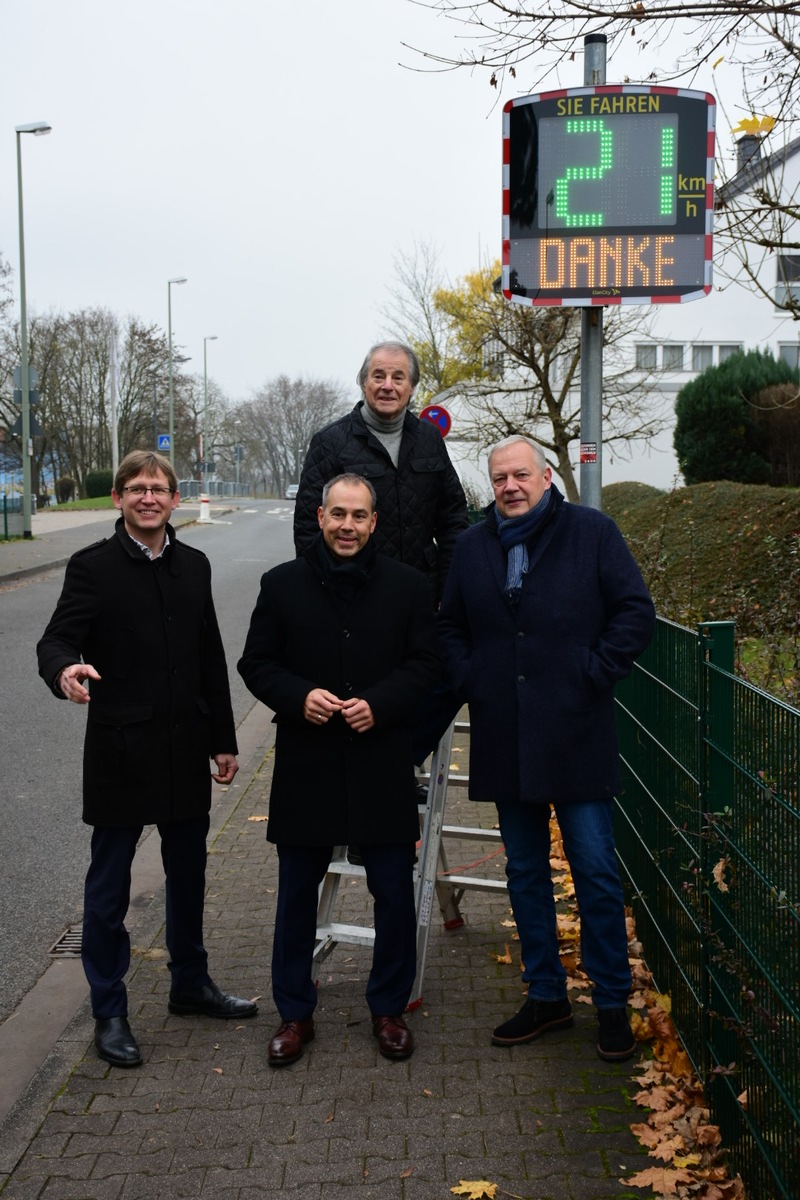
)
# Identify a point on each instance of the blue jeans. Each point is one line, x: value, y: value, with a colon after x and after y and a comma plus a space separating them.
x: 588, y: 839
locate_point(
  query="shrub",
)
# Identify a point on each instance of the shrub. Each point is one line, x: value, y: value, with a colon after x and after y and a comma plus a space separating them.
x: 99, y: 483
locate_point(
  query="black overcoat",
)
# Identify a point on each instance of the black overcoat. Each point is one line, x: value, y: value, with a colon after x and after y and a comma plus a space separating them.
x: 332, y: 786
x: 539, y: 678
x: 162, y: 707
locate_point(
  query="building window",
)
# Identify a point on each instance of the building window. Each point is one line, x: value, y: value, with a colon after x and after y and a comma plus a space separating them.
x: 789, y: 352
x: 729, y: 349
x: 702, y: 357
x: 787, y: 285
x: 645, y: 357
x: 672, y: 358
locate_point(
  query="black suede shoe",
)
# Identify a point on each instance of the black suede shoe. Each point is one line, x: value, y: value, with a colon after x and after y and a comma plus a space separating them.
x: 115, y: 1043
x: 533, y: 1019
x: 209, y: 1001
x: 615, y: 1040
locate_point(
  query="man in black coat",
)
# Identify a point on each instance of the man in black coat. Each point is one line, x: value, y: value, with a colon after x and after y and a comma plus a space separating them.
x: 136, y: 618
x: 419, y: 497
x: 544, y: 611
x: 342, y: 646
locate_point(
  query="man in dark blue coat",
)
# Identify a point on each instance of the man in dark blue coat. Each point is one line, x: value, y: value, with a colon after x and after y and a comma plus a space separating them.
x: 136, y: 618
x: 544, y: 610
x: 342, y: 646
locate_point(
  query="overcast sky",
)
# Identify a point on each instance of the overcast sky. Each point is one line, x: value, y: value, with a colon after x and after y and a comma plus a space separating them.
x: 277, y: 153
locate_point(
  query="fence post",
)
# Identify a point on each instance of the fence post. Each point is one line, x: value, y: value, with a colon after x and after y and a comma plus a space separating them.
x: 716, y: 758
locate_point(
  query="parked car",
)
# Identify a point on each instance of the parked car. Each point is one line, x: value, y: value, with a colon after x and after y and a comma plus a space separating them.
x: 291, y: 491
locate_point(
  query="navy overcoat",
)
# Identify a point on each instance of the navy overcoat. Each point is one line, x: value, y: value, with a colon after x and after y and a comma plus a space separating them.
x: 539, y: 678
x: 330, y: 785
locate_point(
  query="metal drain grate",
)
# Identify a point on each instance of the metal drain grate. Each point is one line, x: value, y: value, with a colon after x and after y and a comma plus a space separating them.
x: 68, y: 945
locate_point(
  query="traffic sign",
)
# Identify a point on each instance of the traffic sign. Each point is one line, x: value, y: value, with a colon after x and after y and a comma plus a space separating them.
x: 437, y: 416
x: 163, y: 441
x: 608, y: 195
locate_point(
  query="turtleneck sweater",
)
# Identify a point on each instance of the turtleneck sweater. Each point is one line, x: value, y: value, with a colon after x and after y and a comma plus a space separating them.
x: 388, y: 430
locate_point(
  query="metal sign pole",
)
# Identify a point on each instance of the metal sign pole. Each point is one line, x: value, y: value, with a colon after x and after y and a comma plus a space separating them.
x: 591, y: 452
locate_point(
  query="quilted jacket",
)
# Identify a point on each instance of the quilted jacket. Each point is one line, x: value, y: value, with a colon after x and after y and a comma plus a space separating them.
x: 421, y: 504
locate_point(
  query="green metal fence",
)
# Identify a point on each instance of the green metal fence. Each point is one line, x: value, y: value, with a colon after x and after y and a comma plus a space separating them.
x: 708, y: 833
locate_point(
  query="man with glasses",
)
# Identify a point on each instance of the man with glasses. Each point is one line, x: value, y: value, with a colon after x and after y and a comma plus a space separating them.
x: 136, y: 620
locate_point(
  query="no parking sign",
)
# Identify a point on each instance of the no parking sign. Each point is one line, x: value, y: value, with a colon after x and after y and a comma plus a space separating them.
x: 437, y: 416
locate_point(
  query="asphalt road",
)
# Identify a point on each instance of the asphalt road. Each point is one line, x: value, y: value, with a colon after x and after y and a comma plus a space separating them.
x: 43, y: 842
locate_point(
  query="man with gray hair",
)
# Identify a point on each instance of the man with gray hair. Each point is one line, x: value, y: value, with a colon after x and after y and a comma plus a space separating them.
x: 543, y: 611
x: 420, y: 500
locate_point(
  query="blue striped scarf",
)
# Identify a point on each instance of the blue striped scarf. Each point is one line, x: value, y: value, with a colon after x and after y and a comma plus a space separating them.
x: 514, y: 533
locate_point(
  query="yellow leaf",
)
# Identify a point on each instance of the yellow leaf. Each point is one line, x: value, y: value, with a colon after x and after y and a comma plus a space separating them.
x: 475, y: 1189
x: 504, y: 958
x: 719, y: 875
x: 719, y: 60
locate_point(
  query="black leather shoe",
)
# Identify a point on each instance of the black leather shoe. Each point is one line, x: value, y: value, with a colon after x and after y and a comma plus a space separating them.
x: 209, y: 1001
x: 395, y: 1039
x: 288, y: 1040
x: 115, y: 1043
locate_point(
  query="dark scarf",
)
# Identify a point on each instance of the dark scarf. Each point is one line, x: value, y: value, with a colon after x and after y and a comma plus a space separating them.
x: 514, y: 533
x: 345, y: 576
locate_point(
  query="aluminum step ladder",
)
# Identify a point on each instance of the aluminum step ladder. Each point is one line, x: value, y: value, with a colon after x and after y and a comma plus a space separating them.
x: 432, y: 875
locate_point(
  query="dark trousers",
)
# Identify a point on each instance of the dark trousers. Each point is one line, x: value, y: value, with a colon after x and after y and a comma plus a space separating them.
x: 106, y: 951
x: 390, y: 880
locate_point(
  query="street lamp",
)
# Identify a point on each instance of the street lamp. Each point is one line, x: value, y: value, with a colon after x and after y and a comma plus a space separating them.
x: 212, y: 337
x: 180, y: 279
x: 236, y: 425
x: 37, y: 128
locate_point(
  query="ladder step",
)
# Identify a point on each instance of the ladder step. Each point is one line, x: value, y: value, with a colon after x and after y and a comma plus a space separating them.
x: 340, y: 866
x: 472, y: 882
x: 477, y: 835
x: 359, y: 935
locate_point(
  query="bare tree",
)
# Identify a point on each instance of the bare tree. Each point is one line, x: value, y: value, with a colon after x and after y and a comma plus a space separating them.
x: 277, y: 424
x: 516, y: 369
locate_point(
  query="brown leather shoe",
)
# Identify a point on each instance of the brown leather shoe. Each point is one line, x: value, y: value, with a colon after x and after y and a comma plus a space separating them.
x: 395, y: 1039
x: 288, y: 1041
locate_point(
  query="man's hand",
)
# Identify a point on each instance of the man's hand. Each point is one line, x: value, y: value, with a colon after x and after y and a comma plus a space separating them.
x: 320, y: 706
x: 358, y: 715
x: 70, y: 682
x: 227, y: 766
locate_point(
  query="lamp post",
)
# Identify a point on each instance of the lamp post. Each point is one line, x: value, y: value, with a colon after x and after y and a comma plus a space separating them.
x: 212, y: 337
x: 179, y: 279
x: 37, y: 128
x: 236, y: 425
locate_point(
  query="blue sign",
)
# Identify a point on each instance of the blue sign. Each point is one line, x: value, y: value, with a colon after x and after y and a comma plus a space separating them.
x: 163, y: 441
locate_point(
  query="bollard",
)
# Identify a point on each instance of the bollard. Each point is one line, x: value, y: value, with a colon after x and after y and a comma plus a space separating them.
x: 205, y: 511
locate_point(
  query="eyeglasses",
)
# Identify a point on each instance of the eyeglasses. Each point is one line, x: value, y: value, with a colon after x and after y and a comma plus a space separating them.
x: 138, y: 490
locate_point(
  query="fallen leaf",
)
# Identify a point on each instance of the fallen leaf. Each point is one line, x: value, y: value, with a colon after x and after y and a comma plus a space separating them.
x: 475, y: 1189
x: 405, y: 1174
x: 718, y: 872
x: 504, y: 958
x: 259, y: 818
x: 218, y: 1070
x: 660, y: 1179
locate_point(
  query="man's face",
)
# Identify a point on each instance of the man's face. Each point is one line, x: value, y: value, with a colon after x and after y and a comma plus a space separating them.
x: 517, y: 480
x: 348, y: 519
x: 145, y: 516
x: 388, y: 387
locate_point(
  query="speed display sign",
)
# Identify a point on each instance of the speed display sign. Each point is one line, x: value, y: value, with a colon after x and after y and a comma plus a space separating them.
x: 608, y: 195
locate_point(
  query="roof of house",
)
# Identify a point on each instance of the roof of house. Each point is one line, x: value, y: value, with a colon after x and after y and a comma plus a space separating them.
x: 753, y: 168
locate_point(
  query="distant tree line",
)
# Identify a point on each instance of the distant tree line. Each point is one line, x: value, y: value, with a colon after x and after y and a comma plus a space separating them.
x: 265, y: 436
